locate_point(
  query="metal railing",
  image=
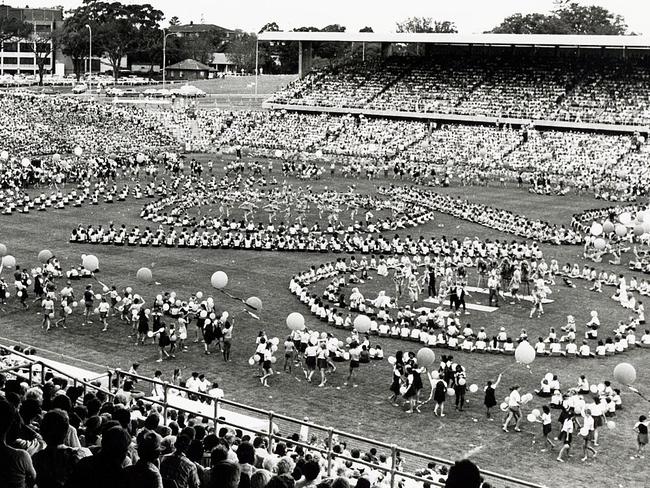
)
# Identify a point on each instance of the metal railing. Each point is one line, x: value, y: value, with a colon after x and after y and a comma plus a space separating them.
x: 400, y: 464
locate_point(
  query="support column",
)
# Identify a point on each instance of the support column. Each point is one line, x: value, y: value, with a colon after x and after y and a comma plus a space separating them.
x: 386, y: 50
x: 305, y: 57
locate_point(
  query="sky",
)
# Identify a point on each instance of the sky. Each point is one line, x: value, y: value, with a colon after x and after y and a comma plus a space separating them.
x: 470, y: 16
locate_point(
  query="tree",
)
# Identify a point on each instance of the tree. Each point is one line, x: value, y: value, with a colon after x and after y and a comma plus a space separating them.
x: 331, y: 50
x: 270, y: 27
x: 591, y: 20
x: 175, y: 21
x: 366, y: 29
x: 531, y: 24
x: 426, y: 25
x: 241, y: 51
x: 44, y: 46
x: 117, y: 28
x: 75, y: 43
x: 567, y: 18
x: 13, y: 28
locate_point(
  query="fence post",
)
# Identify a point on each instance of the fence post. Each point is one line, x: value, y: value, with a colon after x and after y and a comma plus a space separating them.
x: 216, y: 416
x: 165, y: 403
x: 270, y: 449
x: 330, y: 450
x: 393, y: 464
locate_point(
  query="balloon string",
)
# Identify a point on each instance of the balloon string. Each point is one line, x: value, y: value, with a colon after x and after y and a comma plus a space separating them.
x: 239, y: 299
x: 639, y: 393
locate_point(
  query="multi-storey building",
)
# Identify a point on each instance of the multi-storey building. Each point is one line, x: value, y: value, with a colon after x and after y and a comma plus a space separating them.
x: 17, y: 56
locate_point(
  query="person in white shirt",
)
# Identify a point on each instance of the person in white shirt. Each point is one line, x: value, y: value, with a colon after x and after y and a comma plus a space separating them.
x: 514, y: 409
x: 571, y: 348
x: 192, y: 382
x: 566, y: 435
x: 587, y: 433
x: 216, y: 392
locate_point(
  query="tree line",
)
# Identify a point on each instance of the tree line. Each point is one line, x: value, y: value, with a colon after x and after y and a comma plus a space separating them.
x: 135, y: 30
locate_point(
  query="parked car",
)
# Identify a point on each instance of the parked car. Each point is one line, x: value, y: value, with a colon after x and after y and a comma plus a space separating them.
x: 80, y: 88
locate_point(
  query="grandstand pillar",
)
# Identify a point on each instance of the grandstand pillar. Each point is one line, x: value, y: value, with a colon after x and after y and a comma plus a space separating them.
x: 305, y: 56
x: 386, y: 50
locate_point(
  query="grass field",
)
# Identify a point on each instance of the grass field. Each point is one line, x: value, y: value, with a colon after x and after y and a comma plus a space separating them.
x: 363, y: 410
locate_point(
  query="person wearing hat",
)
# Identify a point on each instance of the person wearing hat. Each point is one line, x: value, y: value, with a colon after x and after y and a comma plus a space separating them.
x: 145, y: 473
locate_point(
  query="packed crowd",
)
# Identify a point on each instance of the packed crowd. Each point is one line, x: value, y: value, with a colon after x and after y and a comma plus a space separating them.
x: 57, y: 434
x: 520, y: 86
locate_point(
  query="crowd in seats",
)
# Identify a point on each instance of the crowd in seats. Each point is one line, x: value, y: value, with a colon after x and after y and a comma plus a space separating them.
x: 427, y: 87
x: 517, y: 86
x: 60, y: 435
x: 32, y: 125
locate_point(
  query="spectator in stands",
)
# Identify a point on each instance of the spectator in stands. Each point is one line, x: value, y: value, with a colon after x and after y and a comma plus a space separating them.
x: 178, y: 468
x: 16, y: 469
x: 55, y: 464
x: 105, y: 468
x: 145, y: 473
x: 463, y: 474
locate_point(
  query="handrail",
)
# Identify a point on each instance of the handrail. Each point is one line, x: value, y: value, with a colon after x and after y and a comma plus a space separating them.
x: 394, y: 470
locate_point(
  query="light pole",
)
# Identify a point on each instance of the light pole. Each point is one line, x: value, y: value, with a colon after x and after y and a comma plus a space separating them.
x: 167, y: 34
x: 90, y: 60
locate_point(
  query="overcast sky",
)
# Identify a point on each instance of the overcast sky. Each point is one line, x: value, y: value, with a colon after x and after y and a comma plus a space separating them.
x: 471, y: 16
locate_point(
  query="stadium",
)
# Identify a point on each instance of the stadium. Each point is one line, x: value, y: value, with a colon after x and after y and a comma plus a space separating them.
x: 419, y: 264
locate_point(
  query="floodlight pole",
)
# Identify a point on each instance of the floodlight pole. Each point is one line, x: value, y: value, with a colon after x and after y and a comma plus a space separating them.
x: 166, y: 35
x: 90, y: 59
x: 257, y: 60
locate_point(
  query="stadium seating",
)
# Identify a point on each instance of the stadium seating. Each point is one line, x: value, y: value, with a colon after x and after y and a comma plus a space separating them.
x: 529, y: 87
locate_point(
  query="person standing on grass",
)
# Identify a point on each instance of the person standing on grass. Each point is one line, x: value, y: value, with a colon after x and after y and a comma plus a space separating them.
x: 439, y: 396
x: 490, y: 399
x: 515, y: 283
x: 321, y: 362
x: 143, y: 327
x: 546, y: 421
x: 89, y: 299
x: 587, y: 434
x: 226, y: 331
x: 104, y: 307
x: 641, y: 429
x: 113, y: 295
x: 566, y: 435
x: 311, y: 355
x: 398, y: 372
x: 514, y: 409
x: 355, y: 353
x: 48, y: 313
x: 289, y: 353
x: 267, y: 364
x: 67, y: 297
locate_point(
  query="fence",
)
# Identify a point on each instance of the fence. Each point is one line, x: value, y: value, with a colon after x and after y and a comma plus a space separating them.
x: 402, y: 466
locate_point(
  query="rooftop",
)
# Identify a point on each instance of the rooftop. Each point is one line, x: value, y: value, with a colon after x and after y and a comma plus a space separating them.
x: 189, y: 65
x: 613, y: 42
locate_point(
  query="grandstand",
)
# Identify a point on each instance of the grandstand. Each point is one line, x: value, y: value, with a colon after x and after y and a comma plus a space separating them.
x: 577, y: 82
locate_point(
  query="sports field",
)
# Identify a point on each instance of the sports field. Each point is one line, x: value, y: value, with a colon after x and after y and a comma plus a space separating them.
x: 364, y: 410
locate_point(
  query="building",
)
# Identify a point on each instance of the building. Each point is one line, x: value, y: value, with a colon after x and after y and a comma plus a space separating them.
x: 189, y: 69
x: 221, y: 64
x: 17, y: 56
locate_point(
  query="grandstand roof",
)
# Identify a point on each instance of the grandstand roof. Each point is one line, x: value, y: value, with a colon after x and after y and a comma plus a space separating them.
x: 631, y: 42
